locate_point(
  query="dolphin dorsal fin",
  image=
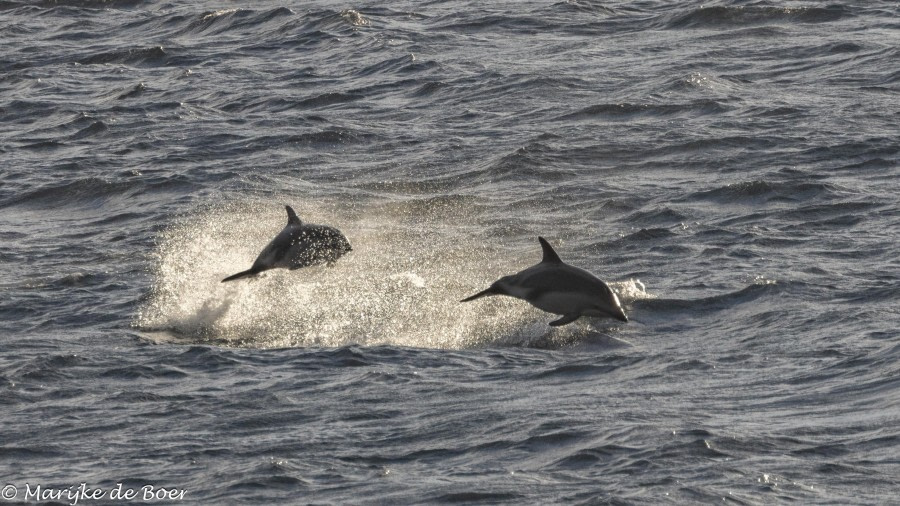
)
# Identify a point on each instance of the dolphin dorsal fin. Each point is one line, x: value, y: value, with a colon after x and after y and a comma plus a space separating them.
x: 549, y: 254
x: 292, y: 217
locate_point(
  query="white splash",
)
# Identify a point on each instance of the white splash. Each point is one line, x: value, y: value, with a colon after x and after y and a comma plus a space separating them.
x: 401, y: 284
x: 216, y: 14
x: 631, y: 290
x: 354, y: 17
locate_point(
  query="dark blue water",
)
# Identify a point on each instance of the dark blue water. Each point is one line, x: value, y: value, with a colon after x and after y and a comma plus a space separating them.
x: 731, y: 169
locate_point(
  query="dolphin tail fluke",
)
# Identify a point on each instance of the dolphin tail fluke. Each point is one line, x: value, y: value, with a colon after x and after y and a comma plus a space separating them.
x: 242, y: 274
x: 483, y: 293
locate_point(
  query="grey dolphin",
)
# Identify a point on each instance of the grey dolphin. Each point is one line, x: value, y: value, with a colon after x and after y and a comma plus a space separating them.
x: 557, y: 287
x: 298, y: 245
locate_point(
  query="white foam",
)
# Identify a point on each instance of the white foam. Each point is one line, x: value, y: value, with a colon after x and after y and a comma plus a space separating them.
x: 631, y: 290
x: 222, y: 12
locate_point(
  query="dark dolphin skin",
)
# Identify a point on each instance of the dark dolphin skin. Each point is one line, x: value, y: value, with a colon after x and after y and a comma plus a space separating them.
x: 557, y: 287
x: 298, y: 245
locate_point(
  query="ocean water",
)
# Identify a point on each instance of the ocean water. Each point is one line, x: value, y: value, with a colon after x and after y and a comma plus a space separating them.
x: 730, y: 168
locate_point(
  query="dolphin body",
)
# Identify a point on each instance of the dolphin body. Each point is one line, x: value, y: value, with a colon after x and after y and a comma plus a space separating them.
x: 298, y: 245
x: 557, y: 287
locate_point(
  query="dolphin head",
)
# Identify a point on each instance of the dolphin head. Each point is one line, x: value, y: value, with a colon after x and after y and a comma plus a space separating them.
x: 496, y: 288
x: 618, y: 314
x: 313, y: 245
x: 332, y: 243
x: 608, y: 305
x: 339, y: 242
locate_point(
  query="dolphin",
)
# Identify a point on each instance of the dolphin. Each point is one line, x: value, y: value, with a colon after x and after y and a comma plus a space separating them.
x: 557, y: 287
x: 298, y: 245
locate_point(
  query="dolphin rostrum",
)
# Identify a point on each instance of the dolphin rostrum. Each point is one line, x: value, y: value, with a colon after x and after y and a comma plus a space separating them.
x: 557, y: 287
x: 298, y: 245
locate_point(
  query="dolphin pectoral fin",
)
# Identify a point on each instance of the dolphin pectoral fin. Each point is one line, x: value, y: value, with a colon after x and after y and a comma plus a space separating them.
x: 565, y: 320
x: 483, y: 293
x: 242, y: 274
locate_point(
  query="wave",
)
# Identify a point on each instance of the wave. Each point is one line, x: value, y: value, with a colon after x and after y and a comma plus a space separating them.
x: 584, y: 6
x: 81, y: 126
x: 659, y: 307
x: 94, y: 129
x: 84, y: 4
x: 575, y: 370
x: 154, y: 56
x: 652, y: 235
x: 80, y: 190
x: 225, y: 20
x: 280, y: 104
x: 520, y: 24
x: 262, y: 30
x: 868, y: 147
x: 401, y: 65
x: 135, y: 91
x: 746, y: 192
x: 648, y: 234
x: 663, y: 215
x: 625, y: 111
x: 739, y: 16
x: 93, y: 191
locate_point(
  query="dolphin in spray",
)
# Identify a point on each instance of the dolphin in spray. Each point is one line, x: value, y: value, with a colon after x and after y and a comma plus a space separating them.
x: 557, y: 287
x: 298, y: 245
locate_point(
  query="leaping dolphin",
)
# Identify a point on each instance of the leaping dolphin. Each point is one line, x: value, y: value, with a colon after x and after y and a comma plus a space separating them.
x: 557, y: 287
x: 298, y: 245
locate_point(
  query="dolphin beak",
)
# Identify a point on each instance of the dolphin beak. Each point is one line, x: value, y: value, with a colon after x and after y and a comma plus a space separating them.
x: 483, y: 293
